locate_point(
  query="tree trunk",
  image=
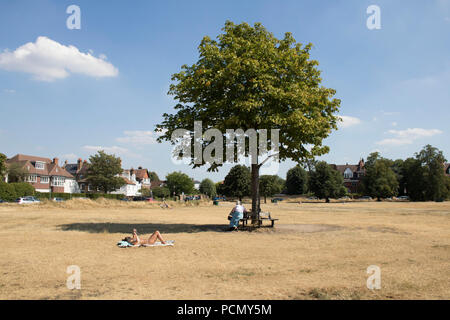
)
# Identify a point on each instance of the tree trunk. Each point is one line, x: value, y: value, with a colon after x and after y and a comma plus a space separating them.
x: 327, y: 200
x: 255, y: 193
x: 265, y: 199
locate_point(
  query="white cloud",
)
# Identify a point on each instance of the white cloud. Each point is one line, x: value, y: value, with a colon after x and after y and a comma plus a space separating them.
x: 138, y: 138
x: 48, y: 60
x: 394, y: 124
x: 408, y: 136
x: 348, y: 121
x: 10, y: 91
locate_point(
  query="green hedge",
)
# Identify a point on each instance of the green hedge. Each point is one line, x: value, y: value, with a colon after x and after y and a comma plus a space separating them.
x: 67, y: 196
x: 12, y: 191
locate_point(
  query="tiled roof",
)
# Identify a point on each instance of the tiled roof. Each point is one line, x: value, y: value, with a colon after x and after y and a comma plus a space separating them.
x: 141, y: 173
x: 22, y: 157
x: 29, y: 164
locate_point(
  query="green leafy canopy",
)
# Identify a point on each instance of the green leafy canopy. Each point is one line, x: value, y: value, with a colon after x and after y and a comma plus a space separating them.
x: 249, y: 79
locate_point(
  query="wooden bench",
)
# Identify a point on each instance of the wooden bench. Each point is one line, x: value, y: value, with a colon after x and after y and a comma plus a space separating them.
x: 263, y: 216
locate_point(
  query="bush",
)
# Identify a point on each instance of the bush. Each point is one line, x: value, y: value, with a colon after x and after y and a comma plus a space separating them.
x: 12, y: 191
x: 161, y: 192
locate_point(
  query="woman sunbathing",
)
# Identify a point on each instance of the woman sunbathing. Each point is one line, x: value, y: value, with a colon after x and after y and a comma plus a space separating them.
x: 135, y: 240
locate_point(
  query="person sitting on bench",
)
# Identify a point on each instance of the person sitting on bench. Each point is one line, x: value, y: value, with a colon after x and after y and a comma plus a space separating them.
x: 235, y: 215
x: 135, y: 240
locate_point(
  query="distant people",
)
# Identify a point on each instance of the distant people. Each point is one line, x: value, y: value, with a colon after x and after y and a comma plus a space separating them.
x: 135, y: 240
x: 236, y: 215
x: 164, y: 205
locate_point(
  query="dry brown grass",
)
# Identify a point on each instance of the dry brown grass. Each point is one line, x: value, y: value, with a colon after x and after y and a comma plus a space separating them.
x: 318, y: 251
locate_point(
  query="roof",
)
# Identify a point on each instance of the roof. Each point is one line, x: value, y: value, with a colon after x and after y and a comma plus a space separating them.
x: 80, y: 174
x: 29, y: 164
x: 141, y: 173
x: 158, y: 183
x: 342, y: 168
x: 127, y: 181
x: 23, y: 157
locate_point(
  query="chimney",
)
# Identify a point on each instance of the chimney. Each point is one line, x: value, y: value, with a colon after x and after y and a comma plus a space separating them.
x: 55, y: 161
x: 65, y: 163
x: 79, y: 164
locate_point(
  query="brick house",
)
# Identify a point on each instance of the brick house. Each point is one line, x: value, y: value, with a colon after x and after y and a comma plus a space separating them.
x: 79, y: 171
x: 43, y: 174
x: 134, y: 179
x: 353, y: 175
x: 143, y: 177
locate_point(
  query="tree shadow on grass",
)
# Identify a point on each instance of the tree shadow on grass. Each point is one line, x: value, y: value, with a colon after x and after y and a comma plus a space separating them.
x: 143, y: 228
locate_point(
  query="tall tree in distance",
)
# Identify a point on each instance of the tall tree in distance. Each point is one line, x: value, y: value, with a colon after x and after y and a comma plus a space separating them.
x: 103, y: 172
x: 249, y: 79
x: 326, y: 182
x: 380, y: 181
x: 270, y: 185
x: 413, y: 179
x: 297, y: 180
x: 2, y: 167
x: 153, y: 176
x: 432, y: 161
x: 179, y: 182
x: 237, y: 182
x: 208, y: 187
x: 16, y: 173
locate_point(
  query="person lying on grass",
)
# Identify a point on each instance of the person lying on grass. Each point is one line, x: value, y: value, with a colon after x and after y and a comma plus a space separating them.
x: 135, y: 240
x: 235, y: 215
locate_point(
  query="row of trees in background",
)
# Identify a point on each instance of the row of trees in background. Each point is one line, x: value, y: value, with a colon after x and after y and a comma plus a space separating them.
x: 421, y: 177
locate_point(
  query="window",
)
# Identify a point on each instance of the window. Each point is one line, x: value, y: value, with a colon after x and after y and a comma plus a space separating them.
x: 58, y: 181
x: 44, y: 179
x: 32, y: 178
x: 348, y: 174
x: 40, y: 165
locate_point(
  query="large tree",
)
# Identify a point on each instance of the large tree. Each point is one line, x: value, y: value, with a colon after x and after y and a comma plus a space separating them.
x: 208, y: 187
x: 103, y: 172
x: 237, y: 182
x: 432, y: 161
x: 249, y: 79
x: 16, y: 173
x: 2, y: 166
x: 178, y: 183
x: 326, y: 182
x: 380, y: 181
x: 297, y: 180
x: 153, y: 176
x: 270, y: 185
x: 413, y: 179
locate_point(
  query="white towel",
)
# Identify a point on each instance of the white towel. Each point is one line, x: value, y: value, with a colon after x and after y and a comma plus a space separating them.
x: 159, y: 244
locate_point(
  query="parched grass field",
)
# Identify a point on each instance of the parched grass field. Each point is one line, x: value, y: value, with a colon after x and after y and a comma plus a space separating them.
x: 316, y: 251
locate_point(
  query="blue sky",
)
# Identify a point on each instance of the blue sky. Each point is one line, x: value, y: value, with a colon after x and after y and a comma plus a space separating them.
x: 394, y: 82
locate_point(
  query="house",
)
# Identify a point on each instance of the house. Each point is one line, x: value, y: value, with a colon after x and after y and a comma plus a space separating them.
x: 447, y: 169
x: 143, y: 177
x: 196, y: 184
x: 79, y: 171
x: 43, y: 174
x: 158, y: 183
x: 353, y: 175
x: 132, y: 186
x: 135, y: 180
